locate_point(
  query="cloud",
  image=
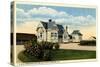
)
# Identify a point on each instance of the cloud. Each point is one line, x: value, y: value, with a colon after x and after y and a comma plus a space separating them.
x: 28, y: 20
x: 21, y: 13
x: 44, y: 11
x: 77, y: 21
x: 41, y: 12
x: 61, y: 17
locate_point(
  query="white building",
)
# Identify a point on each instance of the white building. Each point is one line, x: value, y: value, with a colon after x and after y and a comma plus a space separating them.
x: 52, y: 32
x: 66, y: 36
x: 76, y: 36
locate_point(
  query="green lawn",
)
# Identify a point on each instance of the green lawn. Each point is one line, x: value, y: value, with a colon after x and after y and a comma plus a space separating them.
x: 73, y: 54
x: 61, y: 54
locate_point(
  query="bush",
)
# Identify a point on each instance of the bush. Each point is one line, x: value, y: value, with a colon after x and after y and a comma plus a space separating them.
x: 28, y: 46
x: 47, y: 45
x: 39, y: 50
x: 88, y: 42
x: 34, y: 41
x: 56, y: 46
x: 47, y: 55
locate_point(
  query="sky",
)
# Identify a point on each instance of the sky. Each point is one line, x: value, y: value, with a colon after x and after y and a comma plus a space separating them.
x: 76, y: 18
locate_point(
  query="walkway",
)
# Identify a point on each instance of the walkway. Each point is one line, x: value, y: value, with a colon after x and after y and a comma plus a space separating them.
x: 75, y: 46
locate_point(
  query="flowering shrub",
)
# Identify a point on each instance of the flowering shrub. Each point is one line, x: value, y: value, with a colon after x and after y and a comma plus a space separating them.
x: 42, y: 50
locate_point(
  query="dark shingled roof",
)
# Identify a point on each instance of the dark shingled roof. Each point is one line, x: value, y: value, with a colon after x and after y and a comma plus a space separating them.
x: 61, y: 29
x: 77, y: 32
x: 44, y: 24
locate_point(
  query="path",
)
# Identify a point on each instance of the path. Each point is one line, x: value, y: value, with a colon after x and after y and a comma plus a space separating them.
x: 75, y: 46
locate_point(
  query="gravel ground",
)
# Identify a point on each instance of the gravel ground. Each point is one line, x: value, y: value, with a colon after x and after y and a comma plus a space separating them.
x: 75, y: 46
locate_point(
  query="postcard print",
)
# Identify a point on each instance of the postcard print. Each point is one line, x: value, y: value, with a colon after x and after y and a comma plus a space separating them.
x: 54, y: 32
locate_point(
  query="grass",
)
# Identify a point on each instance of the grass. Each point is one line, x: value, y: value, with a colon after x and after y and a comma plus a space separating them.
x: 25, y: 57
x: 61, y: 54
x: 73, y: 54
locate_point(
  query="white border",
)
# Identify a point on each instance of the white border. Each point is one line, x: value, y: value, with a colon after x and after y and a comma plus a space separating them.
x: 50, y: 4
x: 56, y: 4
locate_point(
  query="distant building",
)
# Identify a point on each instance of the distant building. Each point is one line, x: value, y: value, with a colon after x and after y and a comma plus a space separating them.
x: 21, y: 38
x: 52, y: 32
x: 49, y: 31
x: 76, y: 36
x: 66, y: 36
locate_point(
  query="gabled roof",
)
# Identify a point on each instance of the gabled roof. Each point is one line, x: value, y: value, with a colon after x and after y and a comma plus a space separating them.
x: 77, y: 32
x: 45, y: 24
x: 61, y: 29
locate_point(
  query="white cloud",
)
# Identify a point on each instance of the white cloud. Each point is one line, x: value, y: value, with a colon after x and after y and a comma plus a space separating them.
x: 61, y: 17
x: 30, y: 20
x: 47, y: 11
x: 42, y: 10
x: 21, y: 13
x: 77, y: 21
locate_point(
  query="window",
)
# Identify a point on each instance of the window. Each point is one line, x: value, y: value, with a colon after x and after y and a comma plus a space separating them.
x: 55, y: 34
x: 40, y: 35
x: 51, y: 34
x: 73, y: 37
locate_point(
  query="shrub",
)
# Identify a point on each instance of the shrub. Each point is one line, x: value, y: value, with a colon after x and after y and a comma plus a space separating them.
x: 88, y: 42
x: 28, y: 46
x: 47, y: 55
x: 34, y: 41
x: 40, y: 50
x: 47, y: 45
x: 37, y: 51
x: 56, y: 46
x: 46, y: 48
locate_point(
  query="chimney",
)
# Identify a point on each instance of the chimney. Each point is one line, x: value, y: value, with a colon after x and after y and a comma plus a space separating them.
x: 66, y: 28
x: 50, y: 20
